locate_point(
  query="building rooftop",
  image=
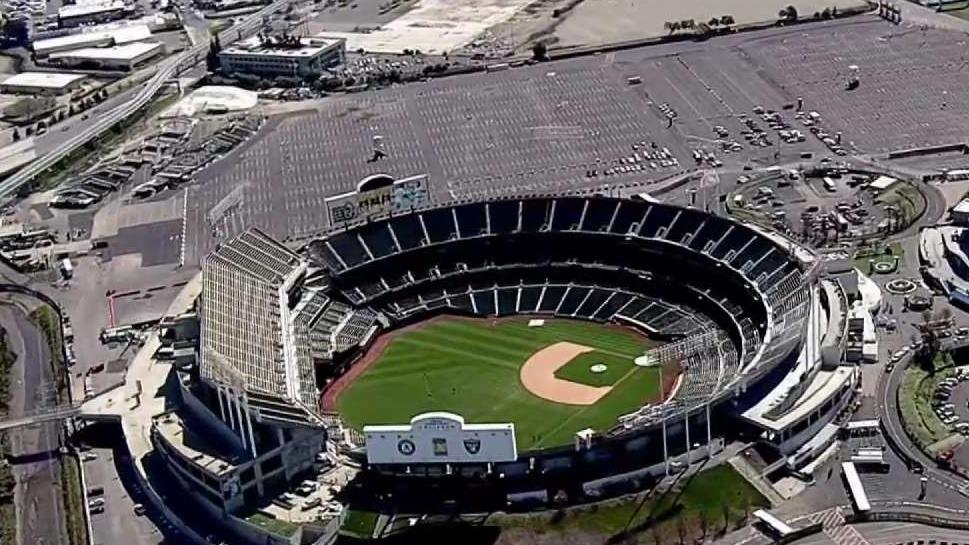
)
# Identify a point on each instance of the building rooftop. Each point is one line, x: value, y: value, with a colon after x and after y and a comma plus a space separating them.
x: 882, y: 183
x: 117, y: 36
x: 119, y: 52
x: 46, y: 80
x: 307, y: 47
x: 82, y: 9
x: 962, y: 207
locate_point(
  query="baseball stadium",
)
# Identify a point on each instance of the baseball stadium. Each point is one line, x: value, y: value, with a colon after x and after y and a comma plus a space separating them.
x: 600, y: 337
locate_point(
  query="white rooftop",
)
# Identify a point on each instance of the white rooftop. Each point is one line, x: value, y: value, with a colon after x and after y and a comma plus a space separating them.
x: 122, y: 35
x: 882, y: 183
x: 80, y: 10
x: 962, y: 207
x: 254, y: 46
x: 119, y: 52
x: 45, y: 80
x: 211, y: 97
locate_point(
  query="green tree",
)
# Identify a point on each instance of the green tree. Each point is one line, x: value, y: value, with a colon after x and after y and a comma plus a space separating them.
x: 30, y: 107
x: 14, y: 31
x: 212, y: 57
x: 540, y: 51
x: 789, y: 13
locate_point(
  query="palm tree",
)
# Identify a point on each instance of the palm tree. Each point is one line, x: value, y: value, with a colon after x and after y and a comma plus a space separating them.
x: 727, y: 20
x: 675, y: 26
x: 714, y: 22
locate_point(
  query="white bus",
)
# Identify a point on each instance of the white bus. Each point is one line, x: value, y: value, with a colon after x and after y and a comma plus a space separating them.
x: 830, y: 185
x: 855, y: 489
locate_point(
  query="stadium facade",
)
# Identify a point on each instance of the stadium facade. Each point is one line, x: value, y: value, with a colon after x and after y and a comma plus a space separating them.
x: 741, y: 310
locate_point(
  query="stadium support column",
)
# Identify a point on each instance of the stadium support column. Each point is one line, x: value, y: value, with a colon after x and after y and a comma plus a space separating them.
x: 666, y: 454
x: 248, y: 424
x: 688, y: 437
x: 241, y: 429
x: 709, y: 439
x: 218, y: 391
x: 224, y: 395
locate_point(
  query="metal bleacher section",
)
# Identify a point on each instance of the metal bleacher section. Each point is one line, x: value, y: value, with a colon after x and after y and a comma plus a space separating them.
x: 266, y: 330
x: 674, y: 271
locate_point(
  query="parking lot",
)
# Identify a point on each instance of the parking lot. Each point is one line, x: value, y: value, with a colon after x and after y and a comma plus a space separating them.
x: 909, y: 81
x: 583, y: 123
x: 815, y: 208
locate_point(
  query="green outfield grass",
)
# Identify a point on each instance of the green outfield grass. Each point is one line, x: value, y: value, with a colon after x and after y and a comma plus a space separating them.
x: 471, y: 368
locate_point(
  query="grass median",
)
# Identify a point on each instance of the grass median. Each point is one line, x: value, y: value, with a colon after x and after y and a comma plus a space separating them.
x: 8, y: 515
x: 915, y: 403
x: 714, y: 501
x: 73, y: 501
x: 47, y: 320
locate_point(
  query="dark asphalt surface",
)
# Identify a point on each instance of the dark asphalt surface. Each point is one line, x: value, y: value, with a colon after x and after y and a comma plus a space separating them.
x: 37, y: 468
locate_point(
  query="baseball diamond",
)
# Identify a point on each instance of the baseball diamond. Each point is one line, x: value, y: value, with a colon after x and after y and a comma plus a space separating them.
x: 505, y: 371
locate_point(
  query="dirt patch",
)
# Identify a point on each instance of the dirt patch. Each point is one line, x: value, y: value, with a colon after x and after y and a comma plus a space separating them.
x: 538, y: 376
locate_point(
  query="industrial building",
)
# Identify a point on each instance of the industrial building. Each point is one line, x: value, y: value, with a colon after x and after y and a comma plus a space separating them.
x: 41, y: 83
x: 121, y: 57
x: 283, y: 56
x: 101, y: 38
x: 84, y: 13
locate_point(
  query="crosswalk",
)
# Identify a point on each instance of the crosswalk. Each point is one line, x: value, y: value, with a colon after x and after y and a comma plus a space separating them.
x: 833, y: 525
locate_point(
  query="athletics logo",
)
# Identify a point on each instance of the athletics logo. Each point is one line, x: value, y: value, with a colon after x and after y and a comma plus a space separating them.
x: 406, y: 447
x: 473, y: 445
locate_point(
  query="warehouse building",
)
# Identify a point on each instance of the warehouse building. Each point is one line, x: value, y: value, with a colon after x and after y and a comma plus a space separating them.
x: 121, y: 57
x: 73, y: 15
x: 41, y: 83
x: 283, y: 56
x: 102, y: 38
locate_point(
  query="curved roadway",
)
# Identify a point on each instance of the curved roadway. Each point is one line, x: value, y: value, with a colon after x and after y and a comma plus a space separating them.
x: 164, y: 71
x: 891, y: 420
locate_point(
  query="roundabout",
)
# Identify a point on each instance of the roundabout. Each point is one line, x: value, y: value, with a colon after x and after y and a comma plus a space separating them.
x: 899, y: 286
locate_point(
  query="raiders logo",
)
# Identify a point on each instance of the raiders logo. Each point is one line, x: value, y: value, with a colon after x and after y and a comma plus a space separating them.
x: 472, y: 445
x: 406, y: 447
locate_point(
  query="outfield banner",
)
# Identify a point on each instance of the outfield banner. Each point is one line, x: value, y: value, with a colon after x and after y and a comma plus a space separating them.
x: 377, y: 195
x: 440, y: 437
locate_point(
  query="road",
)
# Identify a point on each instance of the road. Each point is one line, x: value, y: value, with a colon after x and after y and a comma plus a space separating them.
x: 71, y: 127
x: 39, y: 500
x: 117, y: 525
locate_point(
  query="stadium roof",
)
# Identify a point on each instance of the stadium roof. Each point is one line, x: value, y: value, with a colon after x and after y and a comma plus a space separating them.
x: 44, y: 80
x: 248, y: 336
